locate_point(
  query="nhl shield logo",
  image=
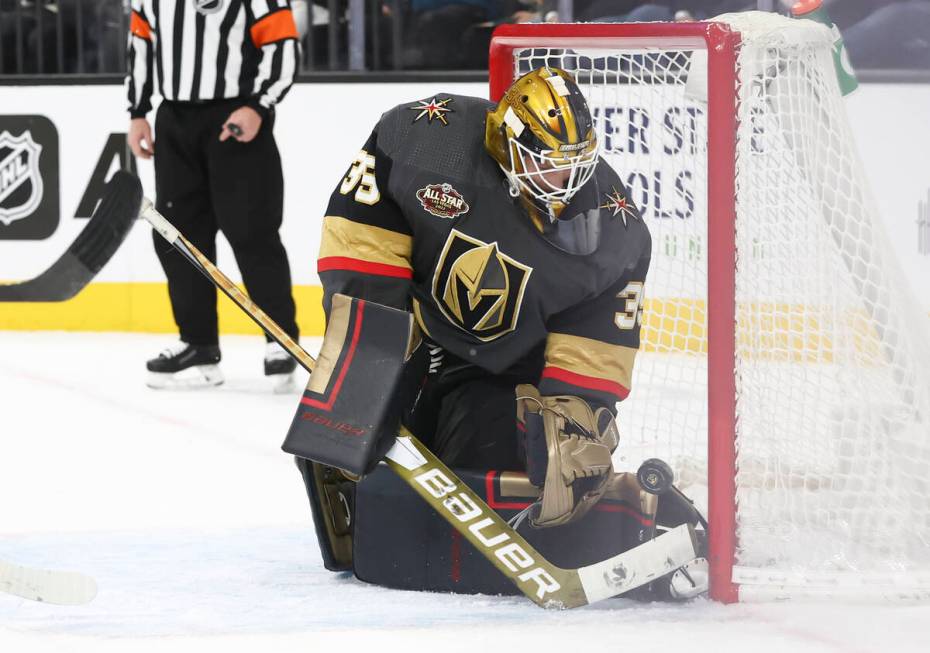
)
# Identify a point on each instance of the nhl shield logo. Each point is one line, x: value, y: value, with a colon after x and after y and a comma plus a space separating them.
x: 20, y: 180
x: 479, y: 288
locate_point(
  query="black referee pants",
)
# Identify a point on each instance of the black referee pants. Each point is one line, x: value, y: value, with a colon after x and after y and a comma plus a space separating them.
x: 202, y: 186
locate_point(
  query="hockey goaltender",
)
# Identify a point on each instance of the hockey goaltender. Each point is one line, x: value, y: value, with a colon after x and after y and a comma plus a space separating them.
x: 493, y: 266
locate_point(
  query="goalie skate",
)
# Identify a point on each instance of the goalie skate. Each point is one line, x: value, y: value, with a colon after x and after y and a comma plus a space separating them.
x: 184, y: 366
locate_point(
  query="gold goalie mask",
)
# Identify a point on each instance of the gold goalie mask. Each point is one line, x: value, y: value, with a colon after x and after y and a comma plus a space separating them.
x: 542, y: 136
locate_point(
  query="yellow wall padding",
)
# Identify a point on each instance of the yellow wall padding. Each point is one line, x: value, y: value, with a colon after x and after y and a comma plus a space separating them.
x: 141, y: 307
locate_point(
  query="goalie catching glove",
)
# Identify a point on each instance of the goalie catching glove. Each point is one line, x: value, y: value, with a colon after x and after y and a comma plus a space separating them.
x: 568, y: 447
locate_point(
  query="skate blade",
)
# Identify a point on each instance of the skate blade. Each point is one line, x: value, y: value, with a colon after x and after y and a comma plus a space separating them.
x: 193, y: 378
x: 282, y: 384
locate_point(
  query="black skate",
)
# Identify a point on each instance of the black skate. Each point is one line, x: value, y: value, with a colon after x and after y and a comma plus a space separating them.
x: 279, y: 368
x: 185, y: 366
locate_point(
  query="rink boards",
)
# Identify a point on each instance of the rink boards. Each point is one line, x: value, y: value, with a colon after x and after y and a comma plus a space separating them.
x: 78, y: 140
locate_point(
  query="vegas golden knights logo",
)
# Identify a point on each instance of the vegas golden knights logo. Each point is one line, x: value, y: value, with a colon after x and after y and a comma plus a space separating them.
x: 478, y: 288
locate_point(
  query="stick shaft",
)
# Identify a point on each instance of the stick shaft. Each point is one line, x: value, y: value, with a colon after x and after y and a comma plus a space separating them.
x: 225, y: 284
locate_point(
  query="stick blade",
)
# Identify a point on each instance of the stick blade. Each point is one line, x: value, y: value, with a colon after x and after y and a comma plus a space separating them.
x: 640, y: 565
x: 46, y: 585
x: 90, y: 251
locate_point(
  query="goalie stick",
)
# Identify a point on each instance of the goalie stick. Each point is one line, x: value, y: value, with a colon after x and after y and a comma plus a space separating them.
x: 541, y: 581
x: 46, y: 585
x: 90, y: 251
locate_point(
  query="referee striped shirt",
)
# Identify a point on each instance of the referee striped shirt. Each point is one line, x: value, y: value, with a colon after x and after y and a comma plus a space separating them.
x: 210, y: 50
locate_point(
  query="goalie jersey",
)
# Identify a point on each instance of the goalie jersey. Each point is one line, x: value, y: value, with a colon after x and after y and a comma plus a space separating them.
x: 423, y: 220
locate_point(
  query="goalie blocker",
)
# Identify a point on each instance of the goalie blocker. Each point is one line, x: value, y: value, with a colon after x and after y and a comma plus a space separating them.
x: 349, y: 412
x: 385, y: 535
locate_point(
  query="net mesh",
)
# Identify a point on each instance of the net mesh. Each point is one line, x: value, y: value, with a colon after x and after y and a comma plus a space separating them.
x: 833, y: 398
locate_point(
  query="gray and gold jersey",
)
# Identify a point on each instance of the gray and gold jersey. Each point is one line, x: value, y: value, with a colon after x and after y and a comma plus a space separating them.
x: 423, y: 220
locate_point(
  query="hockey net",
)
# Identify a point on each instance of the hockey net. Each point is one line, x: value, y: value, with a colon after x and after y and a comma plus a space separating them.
x: 776, y: 318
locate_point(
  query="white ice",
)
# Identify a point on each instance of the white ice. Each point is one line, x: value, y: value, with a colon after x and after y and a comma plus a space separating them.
x: 195, y: 525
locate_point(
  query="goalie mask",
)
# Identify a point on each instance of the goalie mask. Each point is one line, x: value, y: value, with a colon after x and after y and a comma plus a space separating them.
x: 542, y: 136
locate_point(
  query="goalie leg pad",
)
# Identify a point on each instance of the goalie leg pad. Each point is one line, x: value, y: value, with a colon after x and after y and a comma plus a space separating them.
x: 332, y: 502
x: 401, y: 543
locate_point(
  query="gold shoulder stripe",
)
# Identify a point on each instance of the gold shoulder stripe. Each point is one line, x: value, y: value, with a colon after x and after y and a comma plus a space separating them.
x: 591, y: 358
x: 344, y: 238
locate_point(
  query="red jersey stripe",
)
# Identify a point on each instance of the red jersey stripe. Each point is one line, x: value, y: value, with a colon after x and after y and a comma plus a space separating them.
x: 587, y: 382
x: 366, y: 267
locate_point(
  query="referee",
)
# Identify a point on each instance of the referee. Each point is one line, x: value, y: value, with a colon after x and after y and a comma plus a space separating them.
x: 220, y: 67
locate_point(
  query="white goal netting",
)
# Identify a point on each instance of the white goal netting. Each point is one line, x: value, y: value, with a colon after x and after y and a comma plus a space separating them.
x: 833, y: 398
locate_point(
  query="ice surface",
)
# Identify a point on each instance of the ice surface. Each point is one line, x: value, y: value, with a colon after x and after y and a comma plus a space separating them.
x: 195, y: 525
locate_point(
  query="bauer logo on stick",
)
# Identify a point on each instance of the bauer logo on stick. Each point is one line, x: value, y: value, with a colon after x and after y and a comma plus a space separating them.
x: 484, y: 532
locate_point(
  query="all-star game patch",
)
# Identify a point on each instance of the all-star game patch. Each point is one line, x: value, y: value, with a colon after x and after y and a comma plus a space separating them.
x: 433, y: 110
x: 442, y: 200
x: 620, y: 205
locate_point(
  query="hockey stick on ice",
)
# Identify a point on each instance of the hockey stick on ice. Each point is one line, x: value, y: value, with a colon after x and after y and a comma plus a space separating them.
x: 541, y: 581
x: 46, y: 585
x: 90, y: 251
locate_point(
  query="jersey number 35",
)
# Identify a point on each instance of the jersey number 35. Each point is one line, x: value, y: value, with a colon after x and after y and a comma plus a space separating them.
x: 362, y: 175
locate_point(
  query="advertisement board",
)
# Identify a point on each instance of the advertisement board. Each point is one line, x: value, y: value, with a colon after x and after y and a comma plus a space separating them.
x: 58, y: 144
